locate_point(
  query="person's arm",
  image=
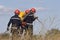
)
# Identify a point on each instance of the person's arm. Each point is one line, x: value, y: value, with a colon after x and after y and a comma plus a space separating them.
x: 9, y: 24
x: 25, y: 17
x: 34, y: 17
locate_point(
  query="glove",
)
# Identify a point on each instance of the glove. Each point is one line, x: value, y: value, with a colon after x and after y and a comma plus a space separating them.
x: 7, y: 29
x: 36, y: 17
x: 23, y: 23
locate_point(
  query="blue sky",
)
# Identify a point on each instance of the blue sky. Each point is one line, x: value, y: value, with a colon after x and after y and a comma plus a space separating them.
x: 46, y: 10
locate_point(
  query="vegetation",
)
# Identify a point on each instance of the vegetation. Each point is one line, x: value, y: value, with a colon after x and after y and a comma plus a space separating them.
x: 53, y: 34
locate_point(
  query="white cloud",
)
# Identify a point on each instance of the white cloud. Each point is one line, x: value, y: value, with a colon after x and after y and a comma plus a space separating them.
x: 5, y: 9
x: 41, y: 8
x: 1, y: 6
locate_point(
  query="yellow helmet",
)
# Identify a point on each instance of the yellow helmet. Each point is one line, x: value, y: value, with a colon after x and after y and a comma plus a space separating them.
x: 22, y: 15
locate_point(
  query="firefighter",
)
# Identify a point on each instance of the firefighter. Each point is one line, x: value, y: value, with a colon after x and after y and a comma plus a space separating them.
x: 23, y: 22
x: 15, y: 21
x: 29, y: 19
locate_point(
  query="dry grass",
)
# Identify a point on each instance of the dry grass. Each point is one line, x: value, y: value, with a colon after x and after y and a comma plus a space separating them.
x: 54, y: 35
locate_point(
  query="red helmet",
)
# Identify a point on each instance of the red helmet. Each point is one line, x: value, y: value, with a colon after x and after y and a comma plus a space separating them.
x: 27, y: 11
x: 17, y: 11
x: 33, y: 10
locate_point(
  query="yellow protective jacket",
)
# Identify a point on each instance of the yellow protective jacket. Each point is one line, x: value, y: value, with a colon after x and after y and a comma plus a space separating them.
x: 22, y: 15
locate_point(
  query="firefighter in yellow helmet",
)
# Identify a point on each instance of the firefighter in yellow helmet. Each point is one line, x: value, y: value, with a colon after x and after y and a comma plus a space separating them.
x: 22, y: 15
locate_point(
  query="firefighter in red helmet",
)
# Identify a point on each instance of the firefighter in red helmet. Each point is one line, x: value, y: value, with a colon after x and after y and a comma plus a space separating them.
x: 15, y: 21
x: 29, y: 19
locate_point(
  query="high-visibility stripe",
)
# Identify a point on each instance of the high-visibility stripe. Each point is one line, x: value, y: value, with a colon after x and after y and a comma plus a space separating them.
x: 30, y: 15
x: 14, y: 27
x: 29, y: 23
x: 15, y: 18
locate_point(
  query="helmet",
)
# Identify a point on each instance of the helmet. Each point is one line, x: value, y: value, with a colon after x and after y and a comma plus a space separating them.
x: 33, y: 10
x: 27, y: 11
x: 17, y: 11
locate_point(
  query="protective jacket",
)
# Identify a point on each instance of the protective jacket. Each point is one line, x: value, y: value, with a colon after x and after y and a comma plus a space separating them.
x: 15, y: 21
x: 29, y: 18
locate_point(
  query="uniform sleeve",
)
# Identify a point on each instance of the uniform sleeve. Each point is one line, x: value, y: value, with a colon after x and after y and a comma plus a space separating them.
x: 9, y: 22
x: 26, y: 16
x: 34, y: 18
x: 19, y: 21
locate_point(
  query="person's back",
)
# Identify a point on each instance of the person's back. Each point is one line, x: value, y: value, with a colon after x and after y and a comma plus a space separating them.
x: 30, y: 18
x: 15, y: 20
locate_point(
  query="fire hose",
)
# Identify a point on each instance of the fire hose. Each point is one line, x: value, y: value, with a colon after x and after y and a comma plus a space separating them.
x: 40, y: 21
